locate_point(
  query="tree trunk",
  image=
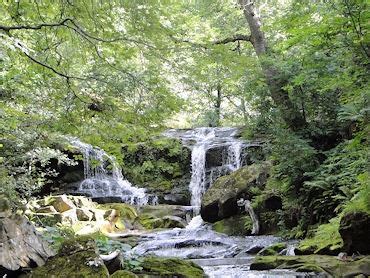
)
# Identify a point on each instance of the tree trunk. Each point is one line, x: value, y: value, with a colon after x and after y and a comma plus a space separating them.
x: 290, y: 112
x: 218, y: 105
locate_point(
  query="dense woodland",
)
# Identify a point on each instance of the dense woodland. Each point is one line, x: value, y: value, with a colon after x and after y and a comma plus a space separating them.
x: 292, y: 74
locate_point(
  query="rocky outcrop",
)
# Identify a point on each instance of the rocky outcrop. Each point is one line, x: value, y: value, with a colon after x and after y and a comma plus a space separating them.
x: 327, y: 265
x: 164, y: 216
x: 20, y: 245
x: 162, y: 166
x: 171, y: 267
x: 76, y: 258
x: 354, y: 229
x: 236, y: 225
x: 220, y: 201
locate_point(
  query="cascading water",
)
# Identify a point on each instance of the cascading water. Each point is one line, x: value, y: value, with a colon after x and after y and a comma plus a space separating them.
x: 103, y: 177
x: 202, y: 140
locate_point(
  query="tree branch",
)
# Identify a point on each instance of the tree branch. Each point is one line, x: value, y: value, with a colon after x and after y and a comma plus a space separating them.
x: 35, y: 27
x: 235, y: 38
x: 52, y: 69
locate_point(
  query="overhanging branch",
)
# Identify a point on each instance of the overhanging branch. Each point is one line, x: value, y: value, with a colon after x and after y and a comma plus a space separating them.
x: 235, y: 38
x: 35, y: 27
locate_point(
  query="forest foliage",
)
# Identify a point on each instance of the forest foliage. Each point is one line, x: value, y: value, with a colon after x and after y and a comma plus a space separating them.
x: 118, y: 72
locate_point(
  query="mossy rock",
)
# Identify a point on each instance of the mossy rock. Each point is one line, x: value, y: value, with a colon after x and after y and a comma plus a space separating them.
x: 329, y: 265
x: 156, y: 163
x: 76, y: 258
x: 123, y: 274
x: 238, y: 225
x: 149, y: 222
x: 126, y: 211
x: 220, y: 200
x: 272, y: 250
x: 325, y: 241
x: 171, y: 267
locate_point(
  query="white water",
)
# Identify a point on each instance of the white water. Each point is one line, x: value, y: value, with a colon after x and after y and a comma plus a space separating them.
x: 201, y: 140
x: 103, y: 177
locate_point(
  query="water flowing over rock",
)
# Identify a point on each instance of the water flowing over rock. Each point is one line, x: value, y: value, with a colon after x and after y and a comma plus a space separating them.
x: 215, y: 152
x: 104, y: 179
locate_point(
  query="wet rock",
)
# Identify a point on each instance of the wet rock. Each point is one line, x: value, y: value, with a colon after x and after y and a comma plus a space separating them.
x: 328, y: 265
x: 76, y: 258
x: 254, y: 249
x: 161, y: 211
x: 214, y: 157
x: 171, y: 267
x: 21, y: 246
x: 220, y: 201
x: 161, y: 165
x: 179, y: 194
x: 233, y: 226
x: 355, y: 231
x: 271, y: 250
x: 107, y: 200
x: 171, y: 221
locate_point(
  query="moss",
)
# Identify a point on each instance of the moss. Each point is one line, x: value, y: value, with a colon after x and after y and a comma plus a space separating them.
x: 126, y: 211
x: 123, y: 274
x: 272, y: 250
x: 238, y: 225
x: 171, y: 267
x: 76, y: 258
x: 150, y: 222
x: 326, y: 240
x: 157, y: 163
x: 316, y: 263
x: 240, y: 181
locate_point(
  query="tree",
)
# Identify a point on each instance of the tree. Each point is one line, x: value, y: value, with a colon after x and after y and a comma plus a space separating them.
x: 276, y: 83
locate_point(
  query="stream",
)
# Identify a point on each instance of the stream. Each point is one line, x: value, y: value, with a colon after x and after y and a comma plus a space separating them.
x: 218, y: 254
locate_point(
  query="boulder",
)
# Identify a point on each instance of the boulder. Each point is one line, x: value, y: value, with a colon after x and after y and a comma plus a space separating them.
x: 5, y: 210
x: 76, y: 258
x: 161, y: 211
x: 46, y: 219
x: 220, y: 201
x: 47, y: 209
x: 21, y: 246
x: 236, y: 225
x: 354, y: 229
x: 215, y: 156
x: 171, y: 221
x: 274, y: 249
x: 161, y: 165
x: 327, y: 265
x: 61, y: 203
x: 179, y: 194
x: 170, y: 267
x: 84, y: 214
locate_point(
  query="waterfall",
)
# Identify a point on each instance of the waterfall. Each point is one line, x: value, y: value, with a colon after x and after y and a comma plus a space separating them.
x: 103, y: 177
x: 197, y: 182
x: 203, y: 140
